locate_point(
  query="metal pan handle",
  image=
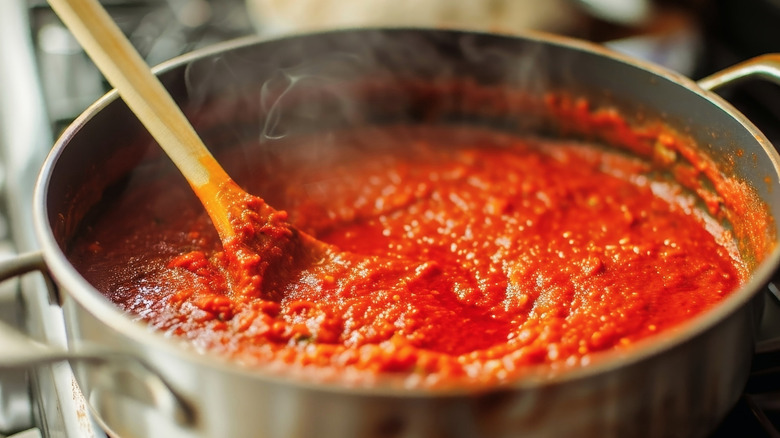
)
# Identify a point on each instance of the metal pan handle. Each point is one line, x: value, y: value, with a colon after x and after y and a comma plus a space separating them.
x: 116, y: 374
x: 763, y: 67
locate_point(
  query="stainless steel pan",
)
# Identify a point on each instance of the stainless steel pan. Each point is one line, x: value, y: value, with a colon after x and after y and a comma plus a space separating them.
x: 140, y: 383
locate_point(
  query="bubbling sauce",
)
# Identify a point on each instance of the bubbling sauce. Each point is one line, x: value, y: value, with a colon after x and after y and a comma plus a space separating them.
x: 456, y: 253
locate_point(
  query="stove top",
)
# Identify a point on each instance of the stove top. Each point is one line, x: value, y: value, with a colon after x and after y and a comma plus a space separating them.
x: 757, y: 414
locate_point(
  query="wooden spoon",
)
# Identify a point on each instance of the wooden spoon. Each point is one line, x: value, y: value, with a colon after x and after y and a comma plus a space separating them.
x: 254, y: 235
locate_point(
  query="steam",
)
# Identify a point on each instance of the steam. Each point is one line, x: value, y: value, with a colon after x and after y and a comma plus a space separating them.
x: 324, y: 75
x: 311, y: 83
x: 391, y: 58
x: 524, y: 69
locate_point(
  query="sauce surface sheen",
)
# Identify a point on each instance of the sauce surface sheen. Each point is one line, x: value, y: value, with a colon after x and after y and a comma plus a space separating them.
x: 472, y: 254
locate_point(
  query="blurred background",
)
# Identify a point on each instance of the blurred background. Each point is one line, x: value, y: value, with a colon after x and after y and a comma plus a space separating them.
x: 694, y: 37
x: 46, y: 81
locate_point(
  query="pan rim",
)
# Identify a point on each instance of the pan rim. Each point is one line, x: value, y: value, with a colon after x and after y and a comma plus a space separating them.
x: 95, y: 303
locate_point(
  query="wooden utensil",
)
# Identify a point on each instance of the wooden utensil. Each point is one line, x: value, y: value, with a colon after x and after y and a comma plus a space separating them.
x: 254, y: 235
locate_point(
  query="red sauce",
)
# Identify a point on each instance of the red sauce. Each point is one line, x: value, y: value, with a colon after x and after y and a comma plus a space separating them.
x: 456, y: 253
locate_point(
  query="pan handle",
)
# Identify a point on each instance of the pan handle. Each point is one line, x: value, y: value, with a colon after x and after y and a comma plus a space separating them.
x: 764, y: 67
x: 113, y: 373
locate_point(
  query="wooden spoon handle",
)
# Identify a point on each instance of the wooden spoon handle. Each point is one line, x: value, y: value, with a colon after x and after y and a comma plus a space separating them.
x: 124, y: 68
x: 145, y: 95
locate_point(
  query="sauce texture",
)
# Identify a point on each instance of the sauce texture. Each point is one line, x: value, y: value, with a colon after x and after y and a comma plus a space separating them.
x: 456, y: 253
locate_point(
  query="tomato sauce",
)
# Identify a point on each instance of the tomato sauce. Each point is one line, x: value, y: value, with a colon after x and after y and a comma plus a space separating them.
x: 452, y: 253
